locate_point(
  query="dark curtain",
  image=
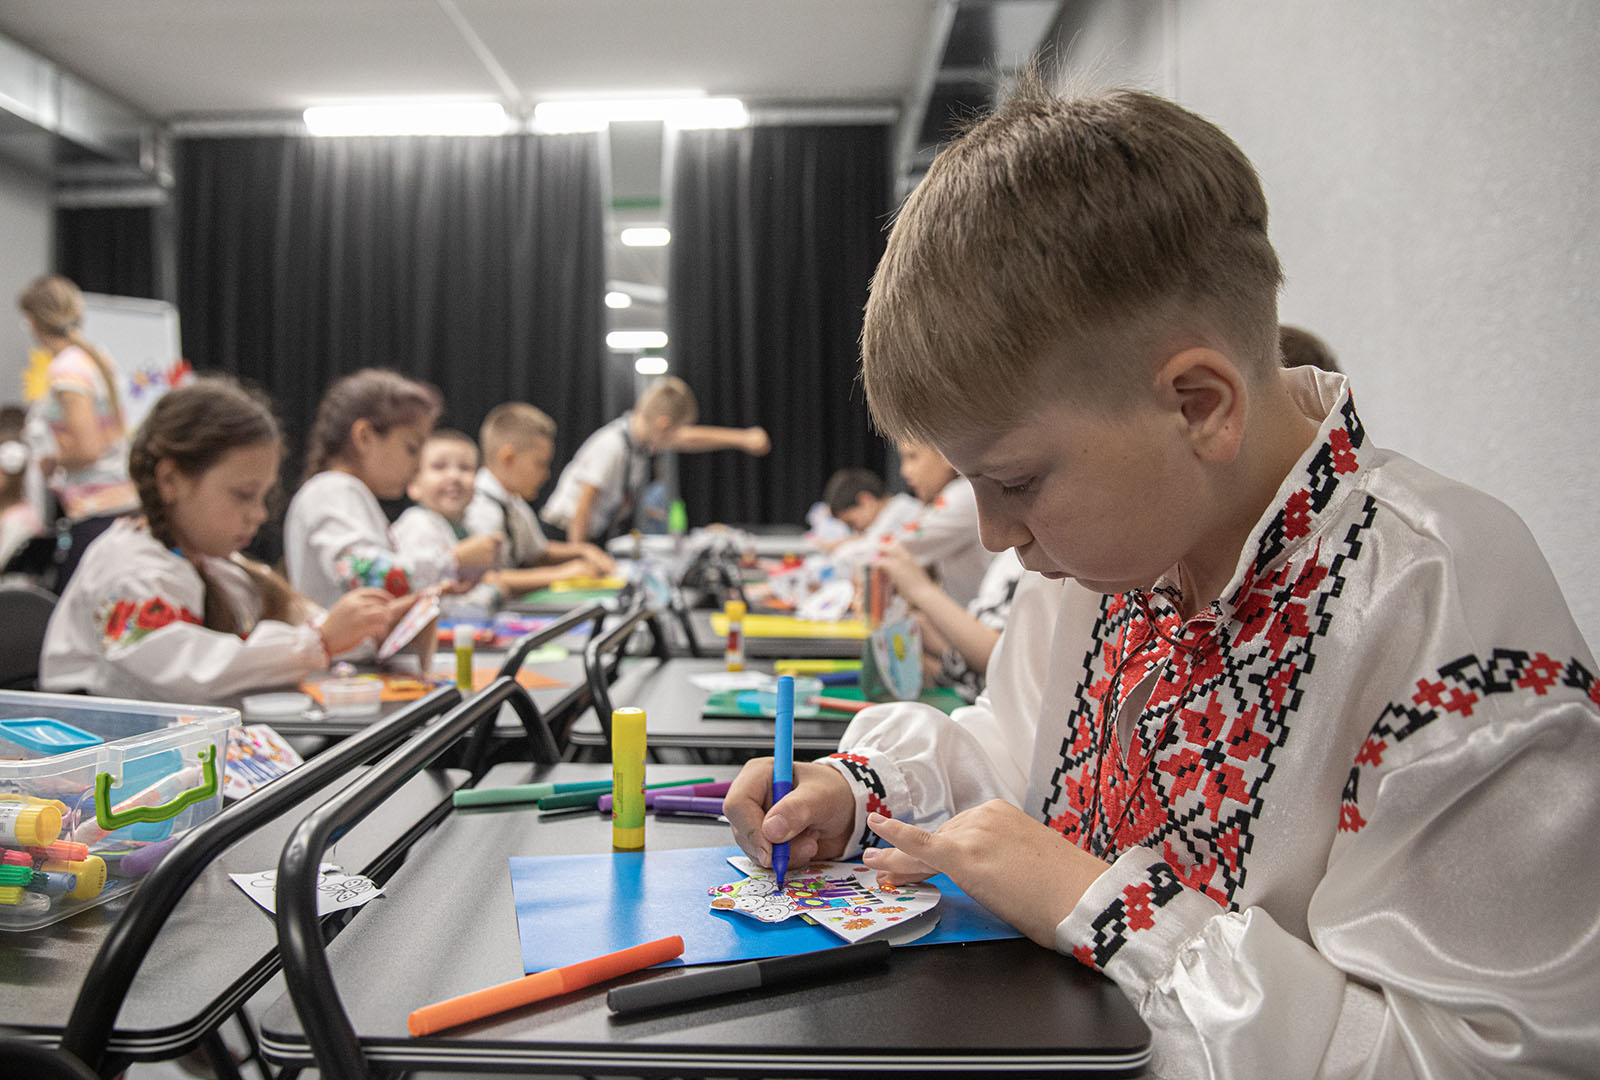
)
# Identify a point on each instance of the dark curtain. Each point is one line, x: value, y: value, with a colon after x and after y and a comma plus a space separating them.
x: 775, y: 233
x: 108, y: 249
x: 475, y: 264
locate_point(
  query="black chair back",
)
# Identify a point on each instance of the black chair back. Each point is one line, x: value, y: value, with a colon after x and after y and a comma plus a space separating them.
x: 603, y: 654
x: 305, y: 958
x: 24, y: 614
x: 95, y: 1012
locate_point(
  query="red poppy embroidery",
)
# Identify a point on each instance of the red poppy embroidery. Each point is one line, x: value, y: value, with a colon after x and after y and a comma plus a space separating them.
x: 156, y: 613
x: 117, y: 621
x: 395, y: 581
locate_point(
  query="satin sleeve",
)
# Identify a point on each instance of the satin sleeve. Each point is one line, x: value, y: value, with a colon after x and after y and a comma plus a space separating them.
x: 1456, y: 932
x: 913, y: 763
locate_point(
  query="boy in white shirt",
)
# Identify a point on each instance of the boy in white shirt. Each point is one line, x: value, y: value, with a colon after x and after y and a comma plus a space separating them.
x: 441, y: 489
x: 1289, y: 736
x: 860, y: 499
x: 518, y: 440
x: 594, y: 496
x: 944, y: 536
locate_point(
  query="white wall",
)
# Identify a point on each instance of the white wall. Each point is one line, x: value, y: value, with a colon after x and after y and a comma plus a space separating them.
x: 1431, y: 168
x: 26, y: 233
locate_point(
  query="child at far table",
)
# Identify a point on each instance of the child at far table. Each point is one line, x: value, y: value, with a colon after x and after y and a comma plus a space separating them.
x: 365, y: 445
x: 594, y: 496
x: 163, y: 607
x: 1289, y: 736
x: 518, y: 441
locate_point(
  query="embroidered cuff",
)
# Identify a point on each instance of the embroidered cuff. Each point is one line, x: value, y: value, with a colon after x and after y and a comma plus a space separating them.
x: 878, y: 787
x: 1132, y: 921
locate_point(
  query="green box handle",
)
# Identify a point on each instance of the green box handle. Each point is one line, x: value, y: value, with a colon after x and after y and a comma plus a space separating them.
x: 109, y: 821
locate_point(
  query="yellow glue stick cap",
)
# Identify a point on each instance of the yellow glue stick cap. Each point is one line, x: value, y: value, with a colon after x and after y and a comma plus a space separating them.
x: 735, y: 609
x: 91, y: 875
x: 36, y: 824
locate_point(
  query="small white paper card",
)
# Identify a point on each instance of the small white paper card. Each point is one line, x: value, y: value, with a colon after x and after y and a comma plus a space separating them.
x: 336, y: 890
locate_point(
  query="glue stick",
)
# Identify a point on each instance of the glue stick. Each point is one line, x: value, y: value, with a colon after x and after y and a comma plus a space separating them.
x: 735, y: 650
x: 31, y: 824
x: 627, y: 779
x: 463, y: 644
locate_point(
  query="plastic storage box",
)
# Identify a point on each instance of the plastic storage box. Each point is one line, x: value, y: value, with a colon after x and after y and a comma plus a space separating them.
x: 80, y: 826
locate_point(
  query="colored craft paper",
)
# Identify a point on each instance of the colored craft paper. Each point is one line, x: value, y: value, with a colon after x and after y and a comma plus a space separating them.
x: 573, y: 907
x: 395, y: 688
x: 786, y: 626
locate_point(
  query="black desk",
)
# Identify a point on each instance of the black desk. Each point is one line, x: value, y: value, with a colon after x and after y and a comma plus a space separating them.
x: 217, y: 948
x: 673, y: 705
x: 447, y: 926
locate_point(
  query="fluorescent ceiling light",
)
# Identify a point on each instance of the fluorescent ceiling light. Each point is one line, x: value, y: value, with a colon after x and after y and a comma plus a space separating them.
x: 409, y: 118
x: 646, y: 236
x: 651, y: 365
x: 627, y: 340
x: 618, y: 300
x: 561, y: 117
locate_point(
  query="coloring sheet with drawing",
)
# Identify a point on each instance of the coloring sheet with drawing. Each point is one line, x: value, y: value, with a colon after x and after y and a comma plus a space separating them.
x: 841, y: 897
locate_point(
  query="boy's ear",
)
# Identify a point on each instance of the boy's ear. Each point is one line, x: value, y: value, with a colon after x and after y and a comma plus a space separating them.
x: 504, y: 455
x: 1206, y: 393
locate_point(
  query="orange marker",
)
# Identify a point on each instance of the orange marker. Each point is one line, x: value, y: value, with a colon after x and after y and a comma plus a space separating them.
x: 540, y: 985
x: 834, y: 704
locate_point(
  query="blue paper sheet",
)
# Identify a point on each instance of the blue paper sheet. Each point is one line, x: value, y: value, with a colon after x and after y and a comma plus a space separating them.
x: 577, y: 907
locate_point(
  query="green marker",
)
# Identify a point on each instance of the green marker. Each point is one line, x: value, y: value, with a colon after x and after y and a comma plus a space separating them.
x: 591, y: 799
x: 519, y: 793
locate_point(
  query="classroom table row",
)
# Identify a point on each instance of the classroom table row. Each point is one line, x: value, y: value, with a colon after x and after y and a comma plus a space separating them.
x: 216, y: 948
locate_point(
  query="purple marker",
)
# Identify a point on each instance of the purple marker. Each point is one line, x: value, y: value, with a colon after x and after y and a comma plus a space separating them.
x: 719, y: 789
x: 688, y: 804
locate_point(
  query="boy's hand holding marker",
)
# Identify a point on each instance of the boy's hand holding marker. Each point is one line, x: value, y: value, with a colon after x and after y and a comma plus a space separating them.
x: 815, y: 818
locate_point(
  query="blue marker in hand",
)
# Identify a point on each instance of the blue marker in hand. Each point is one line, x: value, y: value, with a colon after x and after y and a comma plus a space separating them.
x: 783, y: 764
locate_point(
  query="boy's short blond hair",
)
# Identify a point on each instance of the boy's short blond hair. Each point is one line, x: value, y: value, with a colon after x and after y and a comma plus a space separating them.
x: 669, y: 396
x: 515, y: 424
x: 1054, y: 247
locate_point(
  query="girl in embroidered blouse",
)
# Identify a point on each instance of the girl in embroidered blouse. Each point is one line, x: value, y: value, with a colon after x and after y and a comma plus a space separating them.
x: 365, y: 445
x: 163, y: 605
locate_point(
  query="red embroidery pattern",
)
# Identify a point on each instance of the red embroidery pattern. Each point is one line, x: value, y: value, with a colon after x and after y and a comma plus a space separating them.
x: 126, y: 622
x: 1456, y: 689
x: 1224, y: 687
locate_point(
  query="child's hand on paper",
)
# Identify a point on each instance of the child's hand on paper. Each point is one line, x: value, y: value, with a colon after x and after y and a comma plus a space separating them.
x: 356, y: 616
x: 815, y: 818
x: 1020, y: 869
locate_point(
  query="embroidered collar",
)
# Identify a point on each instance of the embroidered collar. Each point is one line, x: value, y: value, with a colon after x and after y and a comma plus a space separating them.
x: 1309, y: 495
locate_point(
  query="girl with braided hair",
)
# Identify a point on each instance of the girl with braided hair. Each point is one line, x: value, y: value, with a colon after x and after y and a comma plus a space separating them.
x: 163, y: 606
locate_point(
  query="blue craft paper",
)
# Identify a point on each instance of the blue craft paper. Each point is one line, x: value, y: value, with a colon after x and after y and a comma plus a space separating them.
x: 576, y: 907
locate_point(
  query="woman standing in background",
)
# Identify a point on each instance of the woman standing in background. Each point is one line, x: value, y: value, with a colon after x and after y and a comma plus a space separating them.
x: 83, y: 406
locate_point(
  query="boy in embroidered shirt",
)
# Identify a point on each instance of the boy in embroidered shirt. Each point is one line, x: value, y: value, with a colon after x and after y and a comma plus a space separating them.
x: 595, y: 493
x: 1293, y: 738
x: 518, y: 441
